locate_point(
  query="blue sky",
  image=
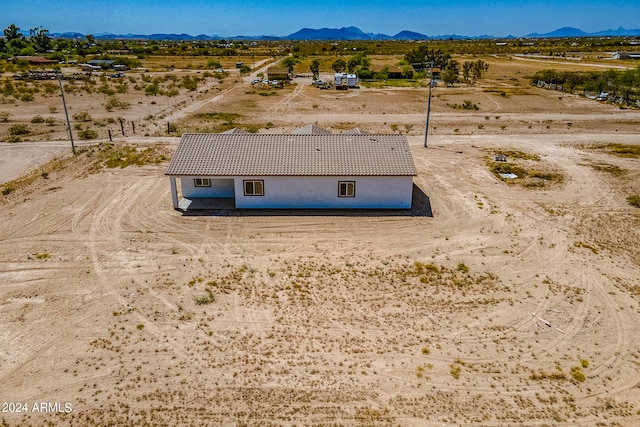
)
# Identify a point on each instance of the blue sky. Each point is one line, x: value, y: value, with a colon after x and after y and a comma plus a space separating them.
x: 282, y: 17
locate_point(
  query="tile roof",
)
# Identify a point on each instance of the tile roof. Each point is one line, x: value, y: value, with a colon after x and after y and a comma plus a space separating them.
x: 292, y: 155
x: 311, y: 129
x: 356, y: 131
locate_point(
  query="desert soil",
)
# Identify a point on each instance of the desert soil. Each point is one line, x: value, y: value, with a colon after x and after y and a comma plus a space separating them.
x: 487, y: 304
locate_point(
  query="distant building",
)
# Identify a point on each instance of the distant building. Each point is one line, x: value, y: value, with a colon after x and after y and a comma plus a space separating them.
x: 626, y: 55
x: 278, y: 73
x: 103, y: 63
x: 34, y: 60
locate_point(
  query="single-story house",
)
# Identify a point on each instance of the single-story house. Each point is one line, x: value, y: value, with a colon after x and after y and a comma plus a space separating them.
x: 278, y: 73
x: 34, y: 60
x: 294, y: 170
x: 395, y: 72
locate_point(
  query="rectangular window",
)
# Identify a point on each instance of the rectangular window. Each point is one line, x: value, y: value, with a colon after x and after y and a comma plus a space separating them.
x: 202, y: 182
x: 254, y: 188
x: 347, y: 189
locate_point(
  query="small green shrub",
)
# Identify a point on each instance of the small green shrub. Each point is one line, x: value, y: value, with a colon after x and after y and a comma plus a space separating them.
x: 205, y: 299
x: 634, y: 200
x: 37, y: 119
x: 455, y: 370
x: 577, y: 374
x: 87, y: 134
x: 19, y: 129
x: 462, y: 267
x: 115, y: 103
x: 82, y: 116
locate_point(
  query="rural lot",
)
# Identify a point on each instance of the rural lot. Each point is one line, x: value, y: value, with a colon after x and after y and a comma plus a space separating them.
x: 491, y: 302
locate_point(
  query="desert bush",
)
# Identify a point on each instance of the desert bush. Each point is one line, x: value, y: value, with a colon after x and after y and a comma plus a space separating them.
x: 82, y: 116
x: 213, y: 64
x: 19, y: 129
x: 26, y: 97
x: 634, y: 200
x: 114, y: 103
x: 37, y: 119
x: 577, y: 374
x: 50, y: 121
x: 205, y: 299
x: 455, y: 371
x: 87, y: 134
x: 4, y: 116
x: 151, y: 89
x: 106, y: 90
x: 189, y: 83
x: 462, y: 267
x: 49, y: 88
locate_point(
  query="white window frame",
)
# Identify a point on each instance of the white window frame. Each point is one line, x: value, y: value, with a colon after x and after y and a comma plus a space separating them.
x: 344, y: 187
x: 202, y: 182
x: 253, y: 183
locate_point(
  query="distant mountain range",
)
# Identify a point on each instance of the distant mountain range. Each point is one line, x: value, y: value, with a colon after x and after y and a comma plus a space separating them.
x: 353, y: 33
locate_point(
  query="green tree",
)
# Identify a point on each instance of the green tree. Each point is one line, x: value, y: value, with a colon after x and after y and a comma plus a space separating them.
x: 315, y: 68
x: 479, y: 67
x: 40, y: 39
x: 214, y: 64
x: 339, y: 65
x: 449, y: 77
x: 383, y: 74
x: 12, y: 32
x: 407, y: 71
x: 423, y: 55
x: 358, y: 62
x: 289, y: 62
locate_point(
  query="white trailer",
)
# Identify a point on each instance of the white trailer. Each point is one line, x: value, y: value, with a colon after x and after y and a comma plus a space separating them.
x: 352, y: 80
x: 340, y: 80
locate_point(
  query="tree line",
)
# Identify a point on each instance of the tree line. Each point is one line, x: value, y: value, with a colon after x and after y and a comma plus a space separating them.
x: 415, y: 64
x: 15, y: 43
x: 623, y: 84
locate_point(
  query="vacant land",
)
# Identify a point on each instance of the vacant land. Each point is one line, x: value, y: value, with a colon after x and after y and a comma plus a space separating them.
x: 515, y: 303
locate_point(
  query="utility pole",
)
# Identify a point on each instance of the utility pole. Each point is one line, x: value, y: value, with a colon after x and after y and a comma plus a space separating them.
x: 426, y: 127
x: 66, y: 113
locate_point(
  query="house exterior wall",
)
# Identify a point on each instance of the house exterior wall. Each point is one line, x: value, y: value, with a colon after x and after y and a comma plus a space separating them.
x: 387, y: 192
x: 220, y: 188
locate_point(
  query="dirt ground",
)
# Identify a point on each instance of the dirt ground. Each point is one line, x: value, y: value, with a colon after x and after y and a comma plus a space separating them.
x: 489, y: 303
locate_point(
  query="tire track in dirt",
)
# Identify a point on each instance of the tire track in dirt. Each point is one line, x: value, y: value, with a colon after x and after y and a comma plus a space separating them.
x: 282, y: 106
x: 106, y: 225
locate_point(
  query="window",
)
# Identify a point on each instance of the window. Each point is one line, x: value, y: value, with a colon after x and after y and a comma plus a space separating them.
x: 202, y: 182
x: 347, y: 189
x: 254, y: 188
